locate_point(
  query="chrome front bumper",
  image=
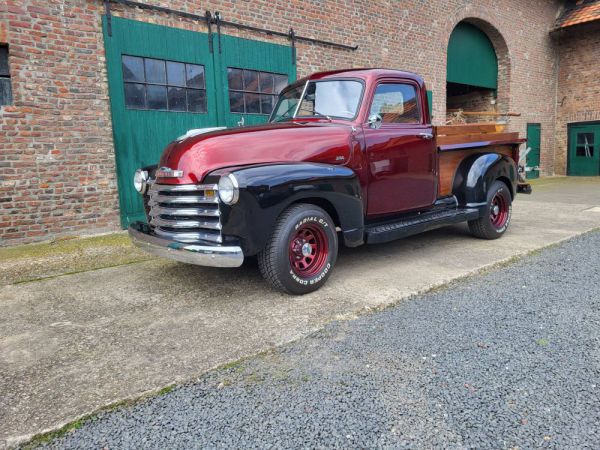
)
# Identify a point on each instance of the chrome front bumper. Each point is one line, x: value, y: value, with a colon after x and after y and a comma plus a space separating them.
x: 201, y: 255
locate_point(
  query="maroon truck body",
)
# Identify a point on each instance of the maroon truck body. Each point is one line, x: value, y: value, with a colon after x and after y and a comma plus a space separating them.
x: 374, y: 180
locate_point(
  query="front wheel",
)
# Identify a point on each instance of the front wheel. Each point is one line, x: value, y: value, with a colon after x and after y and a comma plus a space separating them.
x: 301, y: 251
x: 497, y: 214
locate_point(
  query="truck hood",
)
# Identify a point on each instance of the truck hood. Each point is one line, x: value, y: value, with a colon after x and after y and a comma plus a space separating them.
x: 198, y: 153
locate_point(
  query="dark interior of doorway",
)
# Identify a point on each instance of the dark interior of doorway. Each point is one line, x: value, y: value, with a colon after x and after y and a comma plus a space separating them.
x: 471, y: 99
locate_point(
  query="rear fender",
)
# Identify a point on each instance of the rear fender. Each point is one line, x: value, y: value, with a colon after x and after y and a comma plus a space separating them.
x: 476, y: 174
x: 267, y: 190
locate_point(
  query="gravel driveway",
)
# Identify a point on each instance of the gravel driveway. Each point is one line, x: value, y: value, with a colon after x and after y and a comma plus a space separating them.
x: 503, y: 360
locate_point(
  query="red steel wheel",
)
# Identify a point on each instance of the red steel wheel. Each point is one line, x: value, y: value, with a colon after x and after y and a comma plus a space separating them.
x: 499, y: 211
x: 308, y: 250
x: 495, y: 219
x: 301, y: 252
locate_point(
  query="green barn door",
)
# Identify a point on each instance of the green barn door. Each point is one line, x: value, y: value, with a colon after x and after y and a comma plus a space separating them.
x: 584, y: 150
x: 533, y: 142
x: 250, y: 75
x: 162, y: 84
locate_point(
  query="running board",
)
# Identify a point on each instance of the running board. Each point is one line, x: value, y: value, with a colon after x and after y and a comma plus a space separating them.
x: 407, y: 226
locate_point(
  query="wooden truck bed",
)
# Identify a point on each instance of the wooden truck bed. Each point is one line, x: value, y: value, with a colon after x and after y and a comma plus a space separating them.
x: 456, y: 142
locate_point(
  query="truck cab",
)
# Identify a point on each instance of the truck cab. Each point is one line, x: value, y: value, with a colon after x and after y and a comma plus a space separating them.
x: 348, y: 157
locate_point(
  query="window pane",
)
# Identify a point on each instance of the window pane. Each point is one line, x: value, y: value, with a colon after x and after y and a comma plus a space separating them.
x: 195, y: 75
x: 266, y: 103
x: 133, y: 68
x: 234, y: 76
x: 155, y: 71
x: 196, y: 100
x: 281, y: 81
x: 5, y: 91
x: 175, y: 73
x: 236, y: 102
x: 157, y: 97
x: 252, y: 103
x: 585, y: 138
x: 586, y: 151
x: 177, y: 100
x: 396, y: 103
x: 250, y: 80
x: 4, y: 61
x: 266, y: 83
x: 135, y: 96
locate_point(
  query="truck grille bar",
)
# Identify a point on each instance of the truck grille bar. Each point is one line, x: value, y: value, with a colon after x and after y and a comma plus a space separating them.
x: 185, y: 212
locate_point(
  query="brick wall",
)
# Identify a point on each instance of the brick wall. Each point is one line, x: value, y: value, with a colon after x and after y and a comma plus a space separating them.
x: 57, y: 173
x: 578, y: 96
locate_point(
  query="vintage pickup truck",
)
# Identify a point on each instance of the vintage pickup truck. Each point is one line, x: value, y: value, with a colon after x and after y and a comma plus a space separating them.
x: 347, y: 156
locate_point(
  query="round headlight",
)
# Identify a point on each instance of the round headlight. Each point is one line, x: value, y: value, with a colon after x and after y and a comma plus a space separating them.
x: 229, y: 191
x: 140, y: 180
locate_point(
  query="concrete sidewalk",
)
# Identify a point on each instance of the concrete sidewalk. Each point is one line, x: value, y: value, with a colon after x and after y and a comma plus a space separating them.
x: 74, y: 343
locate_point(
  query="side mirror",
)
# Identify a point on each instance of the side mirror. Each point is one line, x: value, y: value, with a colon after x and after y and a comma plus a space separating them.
x: 375, y: 121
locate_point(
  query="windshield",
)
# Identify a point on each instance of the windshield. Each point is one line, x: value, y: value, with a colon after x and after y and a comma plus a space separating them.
x: 330, y: 99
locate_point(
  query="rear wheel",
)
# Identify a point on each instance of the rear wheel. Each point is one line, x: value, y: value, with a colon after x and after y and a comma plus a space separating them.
x: 301, y: 251
x: 496, y: 217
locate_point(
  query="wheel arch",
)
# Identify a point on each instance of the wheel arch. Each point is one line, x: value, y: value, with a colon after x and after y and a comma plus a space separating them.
x: 476, y: 173
x: 269, y: 189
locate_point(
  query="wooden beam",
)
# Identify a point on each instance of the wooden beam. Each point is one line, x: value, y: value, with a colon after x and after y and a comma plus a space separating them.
x: 470, y: 128
x: 484, y: 113
x: 481, y: 137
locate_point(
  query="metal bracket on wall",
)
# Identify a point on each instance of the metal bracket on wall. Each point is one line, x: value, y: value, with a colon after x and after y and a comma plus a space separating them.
x: 293, y: 39
x: 209, y: 26
x: 220, y: 22
x: 108, y: 18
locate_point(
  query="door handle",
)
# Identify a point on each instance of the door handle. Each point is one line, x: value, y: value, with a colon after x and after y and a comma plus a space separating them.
x: 427, y: 136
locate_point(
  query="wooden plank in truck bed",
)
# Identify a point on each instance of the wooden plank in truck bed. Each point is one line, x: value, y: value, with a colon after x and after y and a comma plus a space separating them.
x: 473, y: 128
x: 479, y: 137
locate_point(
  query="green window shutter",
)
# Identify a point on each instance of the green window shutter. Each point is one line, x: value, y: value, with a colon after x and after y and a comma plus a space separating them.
x: 471, y: 58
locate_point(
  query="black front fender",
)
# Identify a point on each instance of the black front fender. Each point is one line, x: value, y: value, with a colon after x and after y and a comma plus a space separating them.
x: 476, y: 173
x: 266, y: 190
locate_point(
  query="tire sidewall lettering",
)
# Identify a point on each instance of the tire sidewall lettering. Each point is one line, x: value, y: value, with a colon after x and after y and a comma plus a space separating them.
x: 323, y: 274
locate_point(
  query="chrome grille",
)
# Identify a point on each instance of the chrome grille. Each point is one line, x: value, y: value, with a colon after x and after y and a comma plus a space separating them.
x: 185, y: 212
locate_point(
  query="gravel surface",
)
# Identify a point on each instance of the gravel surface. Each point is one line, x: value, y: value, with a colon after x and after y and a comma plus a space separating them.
x: 508, y: 359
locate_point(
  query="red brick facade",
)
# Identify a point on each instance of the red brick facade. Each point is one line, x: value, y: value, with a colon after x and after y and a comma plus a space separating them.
x: 578, y: 94
x: 57, y: 170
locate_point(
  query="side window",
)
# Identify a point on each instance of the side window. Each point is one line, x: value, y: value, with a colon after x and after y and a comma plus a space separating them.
x: 163, y: 85
x: 5, y: 87
x: 396, y: 103
x: 254, y: 92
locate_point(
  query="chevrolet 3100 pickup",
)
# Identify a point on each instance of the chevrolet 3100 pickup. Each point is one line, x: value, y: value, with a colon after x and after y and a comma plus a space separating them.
x: 347, y: 156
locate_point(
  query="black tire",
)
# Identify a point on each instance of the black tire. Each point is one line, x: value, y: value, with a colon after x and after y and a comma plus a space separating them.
x: 306, y: 235
x: 494, y: 222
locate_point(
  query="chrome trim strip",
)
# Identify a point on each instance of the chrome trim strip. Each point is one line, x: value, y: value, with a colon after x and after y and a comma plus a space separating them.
x: 155, y: 199
x: 201, y: 255
x: 183, y: 187
x: 160, y: 222
x: 189, y: 236
x: 185, y: 212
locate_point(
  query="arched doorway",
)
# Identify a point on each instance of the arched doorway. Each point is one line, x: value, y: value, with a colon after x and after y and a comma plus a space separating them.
x: 471, y: 74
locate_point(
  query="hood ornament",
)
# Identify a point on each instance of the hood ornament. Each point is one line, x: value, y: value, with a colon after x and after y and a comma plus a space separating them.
x: 167, y: 172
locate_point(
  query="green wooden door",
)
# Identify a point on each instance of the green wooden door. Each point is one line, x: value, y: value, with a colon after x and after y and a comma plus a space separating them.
x: 533, y: 142
x: 165, y: 81
x: 472, y: 59
x: 584, y: 150
x: 136, y: 56
x: 250, y: 75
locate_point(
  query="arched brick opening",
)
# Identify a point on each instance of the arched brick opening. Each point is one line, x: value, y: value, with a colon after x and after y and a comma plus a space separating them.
x: 480, y: 18
x: 502, y: 53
